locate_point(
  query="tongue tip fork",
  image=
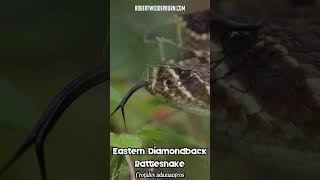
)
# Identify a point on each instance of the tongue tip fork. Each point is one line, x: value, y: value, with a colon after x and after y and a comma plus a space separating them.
x: 124, y: 100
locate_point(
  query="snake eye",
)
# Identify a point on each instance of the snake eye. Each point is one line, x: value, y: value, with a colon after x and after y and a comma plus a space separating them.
x: 184, y: 74
x: 238, y: 41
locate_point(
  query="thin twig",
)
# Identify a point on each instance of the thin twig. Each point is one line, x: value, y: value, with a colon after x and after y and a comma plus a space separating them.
x: 131, y: 168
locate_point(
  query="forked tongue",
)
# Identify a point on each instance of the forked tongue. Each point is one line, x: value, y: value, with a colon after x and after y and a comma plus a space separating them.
x: 125, y: 98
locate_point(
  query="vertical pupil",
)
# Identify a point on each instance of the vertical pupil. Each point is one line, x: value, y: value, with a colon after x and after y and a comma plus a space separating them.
x: 168, y: 83
x: 184, y: 74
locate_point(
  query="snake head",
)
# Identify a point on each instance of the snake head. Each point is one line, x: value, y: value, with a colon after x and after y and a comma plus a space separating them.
x: 178, y: 86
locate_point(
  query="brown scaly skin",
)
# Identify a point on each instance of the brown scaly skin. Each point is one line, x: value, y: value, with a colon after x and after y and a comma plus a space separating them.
x: 266, y: 95
x: 283, y: 78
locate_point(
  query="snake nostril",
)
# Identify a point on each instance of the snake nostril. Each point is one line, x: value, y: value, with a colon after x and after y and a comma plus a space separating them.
x: 168, y: 83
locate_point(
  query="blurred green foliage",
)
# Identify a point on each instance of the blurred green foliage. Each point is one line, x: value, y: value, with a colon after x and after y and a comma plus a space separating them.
x: 9, y: 118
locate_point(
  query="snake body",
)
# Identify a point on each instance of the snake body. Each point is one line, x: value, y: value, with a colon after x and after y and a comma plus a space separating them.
x: 183, y: 81
x: 266, y: 84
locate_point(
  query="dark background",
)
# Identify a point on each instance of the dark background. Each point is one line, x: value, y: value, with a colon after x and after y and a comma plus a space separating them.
x: 269, y: 8
x: 43, y: 46
x: 228, y: 164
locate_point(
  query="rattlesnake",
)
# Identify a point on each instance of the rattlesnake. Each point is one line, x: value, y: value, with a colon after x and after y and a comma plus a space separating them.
x: 265, y: 98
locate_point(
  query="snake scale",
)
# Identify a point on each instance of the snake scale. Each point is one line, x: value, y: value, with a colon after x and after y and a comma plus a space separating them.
x: 265, y: 94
